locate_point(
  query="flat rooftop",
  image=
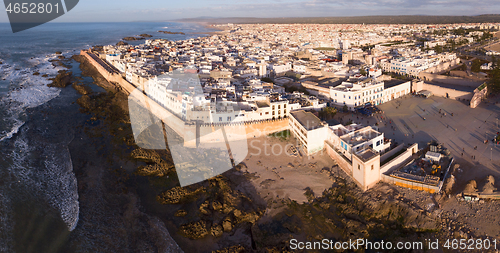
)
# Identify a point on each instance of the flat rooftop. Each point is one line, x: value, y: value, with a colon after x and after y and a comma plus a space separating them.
x: 331, y: 82
x: 360, y: 136
x: 262, y: 104
x: 393, y: 82
x: 308, y: 120
x: 366, y: 154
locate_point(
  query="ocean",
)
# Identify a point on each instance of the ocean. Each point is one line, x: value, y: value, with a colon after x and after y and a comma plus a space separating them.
x: 38, y: 186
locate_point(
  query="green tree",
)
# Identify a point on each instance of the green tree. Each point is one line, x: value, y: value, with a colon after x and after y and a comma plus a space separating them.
x: 476, y: 65
x: 327, y: 113
x: 438, y: 49
x: 362, y: 71
x: 494, y: 82
x: 453, y: 45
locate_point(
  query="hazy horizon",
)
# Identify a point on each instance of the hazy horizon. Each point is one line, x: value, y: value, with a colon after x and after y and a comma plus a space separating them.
x: 158, y: 11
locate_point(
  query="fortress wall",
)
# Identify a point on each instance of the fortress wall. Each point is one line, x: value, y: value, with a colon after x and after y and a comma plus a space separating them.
x: 443, y: 66
x: 341, y: 161
x: 443, y: 92
x: 251, y: 130
x: 478, y: 97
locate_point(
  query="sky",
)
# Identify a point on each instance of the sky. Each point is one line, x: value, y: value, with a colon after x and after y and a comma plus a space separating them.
x: 156, y: 10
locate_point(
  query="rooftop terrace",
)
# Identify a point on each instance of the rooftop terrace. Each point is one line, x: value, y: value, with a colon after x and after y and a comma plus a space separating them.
x: 308, y: 120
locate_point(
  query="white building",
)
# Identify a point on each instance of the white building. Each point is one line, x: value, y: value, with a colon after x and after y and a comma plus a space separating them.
x: 357, y: 94
x: 487, y: 66
x: 353, y: 138
x: 309, y: 130
x: 281, y: 68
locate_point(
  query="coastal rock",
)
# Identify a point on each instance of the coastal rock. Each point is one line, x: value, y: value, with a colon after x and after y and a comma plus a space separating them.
x: 36, y: 73
x: 177, y: 195
x: 145, y: 35
x: 194, y: 230
x: 62, y: 80
x: 98, y: 48
x: 169, y: 32
x: 81, y: 89
x: 204, y: 208
x: 133, y: 38
x: 217, y: 206
x: 145, y: 155
x: 448, y: 186
x: 121, y: 43
x: 241, y: 216
x: 58, y: 52
x: 85, y: 102
x: 180, y: 213
x: 471, y: 187
x: 227, y: 224
x: 233, y: 249
x: 216, y: 230
x: 158, y: 169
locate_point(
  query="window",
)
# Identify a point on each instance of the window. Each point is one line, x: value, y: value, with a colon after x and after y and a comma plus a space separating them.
x: 228, y: 118
x: 279, y: 107
x: 220, y: 118
x: 273, y: 107
x: 284, y: 106
x: 344, y: 96
x: 372, y: 166
x: 267, y: 113
x: 273, y: 112
x: 284, y: 111
x: 359, y: 167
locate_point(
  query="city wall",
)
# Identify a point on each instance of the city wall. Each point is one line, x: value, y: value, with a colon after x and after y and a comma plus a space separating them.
x: 442, y: 91
x: 400, y: 159
x: 341, y: 161
x: 452, y: 80
x: 390, y: 153
x: 234, y: 131
x: 445, y: 66
x: 478, y: 97
x: 112, y: 77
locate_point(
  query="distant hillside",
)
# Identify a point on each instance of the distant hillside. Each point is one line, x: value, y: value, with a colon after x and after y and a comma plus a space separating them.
x: 406, y: 19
